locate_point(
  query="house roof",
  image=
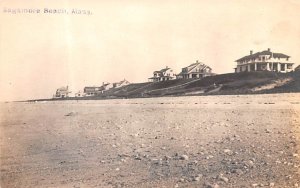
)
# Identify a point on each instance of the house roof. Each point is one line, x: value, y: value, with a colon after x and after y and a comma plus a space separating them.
x: 266, y: 52
x: 160, y: 77
x: 164, y: 70
x: 160, y: 72
x: 106, y: 84
x: 63, y: 88
x: 121, y: 82
x: 193, y: 65
x: 93, y: 88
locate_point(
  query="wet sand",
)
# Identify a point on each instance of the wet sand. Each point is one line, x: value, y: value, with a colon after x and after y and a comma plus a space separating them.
x: 208, y: 141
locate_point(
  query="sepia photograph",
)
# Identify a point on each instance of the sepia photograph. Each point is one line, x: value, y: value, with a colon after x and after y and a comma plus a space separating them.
x: 149, y: 94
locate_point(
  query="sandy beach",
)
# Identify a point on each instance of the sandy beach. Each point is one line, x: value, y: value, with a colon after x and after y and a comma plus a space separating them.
x: 208, y: 141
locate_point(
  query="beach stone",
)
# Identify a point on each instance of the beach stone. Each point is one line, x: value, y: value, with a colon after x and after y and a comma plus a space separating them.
x: 228, y: 151
x: 209, y: 185
x: 222, y: 178
x: 238, y: 171
x: 198, y: 177
x: 267, y: 131
x: 184, y: 157
x: 71, y: 114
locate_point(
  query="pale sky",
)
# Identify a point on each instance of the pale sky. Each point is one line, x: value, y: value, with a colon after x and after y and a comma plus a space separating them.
x: 130, y: 39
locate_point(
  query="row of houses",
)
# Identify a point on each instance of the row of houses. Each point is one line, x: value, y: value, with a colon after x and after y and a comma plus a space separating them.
x: 95, y: 90
x: 195, y: 70
x: 64, y: 92
x: 260, y: 61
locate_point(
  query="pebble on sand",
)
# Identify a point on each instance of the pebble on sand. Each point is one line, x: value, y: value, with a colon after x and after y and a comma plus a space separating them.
x: 222, y: 178
x: 209, y: 185
x: 184, y: 157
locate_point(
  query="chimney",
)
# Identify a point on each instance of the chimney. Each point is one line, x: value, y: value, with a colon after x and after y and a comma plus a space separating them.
x: 167, y: 67
x: 251, y: 52
x: 197, y: 61
x: 269, y: 49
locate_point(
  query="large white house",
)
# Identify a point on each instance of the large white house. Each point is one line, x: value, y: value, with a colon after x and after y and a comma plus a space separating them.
x: 195, y: 70
x: 163, y: 75
x: 264, y: 61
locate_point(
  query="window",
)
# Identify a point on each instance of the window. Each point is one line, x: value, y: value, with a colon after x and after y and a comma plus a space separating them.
x: 289, y: 66
x: 282, y: 66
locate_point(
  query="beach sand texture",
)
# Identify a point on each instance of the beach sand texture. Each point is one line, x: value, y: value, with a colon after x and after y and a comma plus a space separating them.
x: 201, y: 141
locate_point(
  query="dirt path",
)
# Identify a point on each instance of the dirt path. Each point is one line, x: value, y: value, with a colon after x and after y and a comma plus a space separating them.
x: 211, y: 141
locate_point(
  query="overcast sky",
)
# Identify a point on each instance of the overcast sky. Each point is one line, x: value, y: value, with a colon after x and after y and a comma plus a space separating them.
x: 131, y: 39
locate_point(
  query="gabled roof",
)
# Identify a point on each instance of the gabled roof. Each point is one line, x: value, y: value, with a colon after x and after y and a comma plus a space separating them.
x: 266, y: 52
x: 93, y: 88
x: 192, y: 66
x: 106, y: 84
x: 121, y: 82
x: 63, y: 88
x: 165, y: 69
x: 162, y: 70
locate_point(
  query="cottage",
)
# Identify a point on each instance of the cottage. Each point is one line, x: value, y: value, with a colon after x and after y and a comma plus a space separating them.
x: 62, y: 92
x: 195, y: 70
x: 163, y: 75
x: 264, y: 61
x: 94, y: 90
x: 120, y: 84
